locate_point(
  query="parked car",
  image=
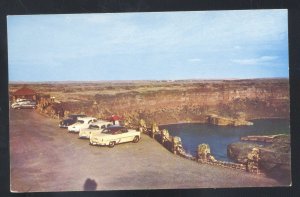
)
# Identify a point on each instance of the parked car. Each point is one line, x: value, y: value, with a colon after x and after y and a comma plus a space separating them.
x: 81, y: 123
x: 24, y: 104
x: 70, y: 120
x: 95, y: 127
x: 115, y: 134
x: 19, y: 100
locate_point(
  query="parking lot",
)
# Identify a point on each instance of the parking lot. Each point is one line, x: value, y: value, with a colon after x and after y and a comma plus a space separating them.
x: 44, y: 157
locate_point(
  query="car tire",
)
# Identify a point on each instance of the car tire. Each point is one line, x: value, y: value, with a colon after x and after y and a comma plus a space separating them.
x: 136, y: 139
x: 111, y: 144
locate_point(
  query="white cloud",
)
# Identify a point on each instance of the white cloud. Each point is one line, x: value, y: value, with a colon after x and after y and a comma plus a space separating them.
x: 268, y: 58
x: 255, y: 61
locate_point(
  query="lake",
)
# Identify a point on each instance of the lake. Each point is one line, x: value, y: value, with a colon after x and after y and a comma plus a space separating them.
x: 218, y: 137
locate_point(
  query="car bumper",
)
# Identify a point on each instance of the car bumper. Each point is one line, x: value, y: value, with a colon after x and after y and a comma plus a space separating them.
x: 96, y: 142
x: 73, y: 130
x: 63, y: 126
x: 84, y: 135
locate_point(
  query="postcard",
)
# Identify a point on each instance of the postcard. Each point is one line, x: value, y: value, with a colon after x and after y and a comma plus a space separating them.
x: 149, y: 100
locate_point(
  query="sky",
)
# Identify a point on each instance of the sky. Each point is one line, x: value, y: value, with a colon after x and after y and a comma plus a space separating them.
x: 148, y: 46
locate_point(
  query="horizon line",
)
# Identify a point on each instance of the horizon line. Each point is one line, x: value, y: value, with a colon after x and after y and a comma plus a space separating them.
x: 141, y: 80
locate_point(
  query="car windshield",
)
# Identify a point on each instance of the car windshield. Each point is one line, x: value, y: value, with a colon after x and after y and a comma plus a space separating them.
x: 80, y: 121
x: 107, y: 131
x: 114, y: 130
x: 94, y: 127
x: 104, y: 126
x: 111, y: 131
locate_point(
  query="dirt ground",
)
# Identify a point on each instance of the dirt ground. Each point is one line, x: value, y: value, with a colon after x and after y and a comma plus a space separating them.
x: 44, y: 157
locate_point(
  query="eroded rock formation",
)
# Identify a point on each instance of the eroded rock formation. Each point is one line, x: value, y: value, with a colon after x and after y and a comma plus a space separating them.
x: 223, y: 121
x: 274, y: 159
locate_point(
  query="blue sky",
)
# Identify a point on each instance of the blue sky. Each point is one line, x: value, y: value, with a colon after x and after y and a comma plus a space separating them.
x: 152, y: 46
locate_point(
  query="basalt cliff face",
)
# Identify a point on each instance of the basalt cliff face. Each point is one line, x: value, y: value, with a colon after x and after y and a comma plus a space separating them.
x: 188, y: 101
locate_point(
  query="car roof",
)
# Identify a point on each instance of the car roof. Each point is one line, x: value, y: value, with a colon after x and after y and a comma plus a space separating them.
x: 115, y: 127
x: 101, y: 122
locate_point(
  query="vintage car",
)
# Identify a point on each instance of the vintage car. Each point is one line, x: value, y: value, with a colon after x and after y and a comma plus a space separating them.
x: 24, y: 104
x: 81, y: 123
x: 95, y: 127
x: 113, y: 135
x: 70, y: 120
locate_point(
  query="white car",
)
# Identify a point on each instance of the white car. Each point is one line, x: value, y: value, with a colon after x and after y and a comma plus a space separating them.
x: 23, y: 104
x: 113, y: 135
x: 81, y: 123
x: 95, y: 127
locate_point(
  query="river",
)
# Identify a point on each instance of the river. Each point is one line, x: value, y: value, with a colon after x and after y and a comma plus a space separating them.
x: 218, y: 137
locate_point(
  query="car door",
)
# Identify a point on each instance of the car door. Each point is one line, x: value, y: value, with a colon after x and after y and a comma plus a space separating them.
x: 126, y: 135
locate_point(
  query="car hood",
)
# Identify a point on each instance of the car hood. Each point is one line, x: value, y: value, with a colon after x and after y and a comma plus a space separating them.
x: 100, y: 135
x: 90, y: 130
x: 76, y: 125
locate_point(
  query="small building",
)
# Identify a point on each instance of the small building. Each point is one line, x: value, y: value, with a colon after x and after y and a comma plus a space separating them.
x: 24, y: 93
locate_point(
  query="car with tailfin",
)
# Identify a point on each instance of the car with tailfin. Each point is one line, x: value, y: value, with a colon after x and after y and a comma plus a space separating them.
x: 115, y: 134
x: 82, y: 123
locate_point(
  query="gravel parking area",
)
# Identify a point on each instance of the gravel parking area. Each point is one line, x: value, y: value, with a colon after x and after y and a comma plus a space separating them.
x: 44, y: 157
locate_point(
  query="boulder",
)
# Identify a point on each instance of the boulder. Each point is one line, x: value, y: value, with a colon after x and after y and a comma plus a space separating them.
x: 177, y: 144
x: 239, y: 151
x: 203, y: 152
x: 154, y: 130
x: 142, y: 126
x: 253, y: 159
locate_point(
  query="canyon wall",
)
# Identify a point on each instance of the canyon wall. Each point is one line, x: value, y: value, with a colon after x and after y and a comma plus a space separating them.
x: 179, y: 101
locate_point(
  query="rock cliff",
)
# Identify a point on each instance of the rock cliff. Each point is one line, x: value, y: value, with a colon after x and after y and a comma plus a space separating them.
x: 274, y: 158
x: 191, y: 102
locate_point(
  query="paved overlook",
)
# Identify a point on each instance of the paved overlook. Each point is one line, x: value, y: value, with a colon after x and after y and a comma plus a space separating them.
x: 46, y: 158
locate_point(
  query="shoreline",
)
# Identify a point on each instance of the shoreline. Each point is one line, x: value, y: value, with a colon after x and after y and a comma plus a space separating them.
x: 205, y: 122
x: 263, y: 118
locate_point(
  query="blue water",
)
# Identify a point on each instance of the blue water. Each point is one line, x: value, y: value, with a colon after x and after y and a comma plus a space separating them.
x: 218, y: 137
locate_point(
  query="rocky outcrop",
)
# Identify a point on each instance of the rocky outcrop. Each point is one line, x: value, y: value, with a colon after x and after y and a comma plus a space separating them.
x: 253, y: 159
x: 238, y: 152
x: 203, y: 153
x: 223, y: 121
x: 273, y: 159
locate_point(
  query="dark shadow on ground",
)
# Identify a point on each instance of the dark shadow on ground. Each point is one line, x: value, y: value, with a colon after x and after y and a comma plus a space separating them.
x: 90, y: 185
